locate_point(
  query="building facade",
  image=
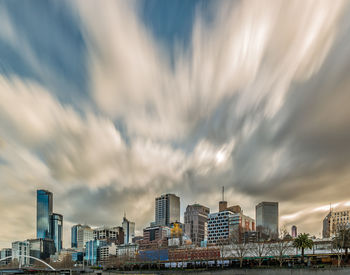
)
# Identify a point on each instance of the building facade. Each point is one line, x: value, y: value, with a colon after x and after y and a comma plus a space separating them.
x: 43, y: 214
x: 92, y: 251
x: 74, y: 235
x: 267, y: 219
x: 155, y: 237
x: 334, y: 221
x: 109, y: 234
x: 129, y: 230
x: 84, y: 234
x: 41, y: 248
x: 57, y: 230
x: 167, y: 209
x: 226, y: 226
x: 196, y: 219
x: 20, y: 249
x: 5, y: 253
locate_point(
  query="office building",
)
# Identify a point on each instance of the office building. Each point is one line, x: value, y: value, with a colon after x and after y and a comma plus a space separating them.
x: 56, y: 230
x: 167, y: 209
x: 109, y: 234
x: 84, y: 234
x: 106, y: 251
x: 267, y: 219
x: 5, y: 253
x: 19, y: 251
x: 41, y: 248
x: 334, y: 221
x: 226, y: 226
x: 155, y: 237
x: 92, y: 251
x: 43, y: 214
x: 48, y: 224
x: 294, y: 231
x: 129, y: 230
x: 196, y: 219
x: 74, y: 235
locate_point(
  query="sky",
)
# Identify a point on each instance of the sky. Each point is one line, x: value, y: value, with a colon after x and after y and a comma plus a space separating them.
x: 109, y: 104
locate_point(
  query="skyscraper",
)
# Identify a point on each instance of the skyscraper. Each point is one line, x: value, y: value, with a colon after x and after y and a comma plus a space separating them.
x: 43, y: 214
x: 267, y: 219
x: 48, y: 224
x: 129, y: 230
x: 196, y: 218
x: 56, y: 230
x: 74, y: 235
x: 167, y: 209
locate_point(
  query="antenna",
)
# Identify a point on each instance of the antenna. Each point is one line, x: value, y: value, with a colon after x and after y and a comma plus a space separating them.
x: 223, y: 193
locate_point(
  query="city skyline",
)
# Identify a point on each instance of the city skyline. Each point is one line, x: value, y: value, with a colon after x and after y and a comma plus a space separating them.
x: 109, y: 107
x: 222, y: 206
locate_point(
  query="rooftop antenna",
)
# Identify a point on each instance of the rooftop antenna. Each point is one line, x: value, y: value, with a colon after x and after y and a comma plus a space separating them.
x: 223, y: 193
x: 124, y: 213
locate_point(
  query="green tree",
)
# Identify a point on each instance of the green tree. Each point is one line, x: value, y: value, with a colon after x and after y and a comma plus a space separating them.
x: 303, y: 241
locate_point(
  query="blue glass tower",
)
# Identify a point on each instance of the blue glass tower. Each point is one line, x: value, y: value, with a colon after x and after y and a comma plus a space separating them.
x: 56, y: 230
x: 43, y: 214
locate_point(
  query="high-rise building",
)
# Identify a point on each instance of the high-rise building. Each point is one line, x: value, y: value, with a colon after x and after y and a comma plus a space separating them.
x: 84, y: 234
x: 334, y: 221
x: 56, y: 230
x: 196, y: 219
x: 294, y: 231
x: 109, y: 234
x: 43, y: 214
x: 129, y: 230
x: 74, y: 235
x: 267, y: 219
x: 92, y: 252
x: 167, y: 209
x: 226, y: 225
x: 48, y: 224
x: 20, y: 249
x: 41, y: 248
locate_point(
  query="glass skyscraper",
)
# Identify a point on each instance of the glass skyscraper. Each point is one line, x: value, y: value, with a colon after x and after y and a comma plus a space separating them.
x: 56, y: 230
x: 43, y: 214
x: 267, y: 219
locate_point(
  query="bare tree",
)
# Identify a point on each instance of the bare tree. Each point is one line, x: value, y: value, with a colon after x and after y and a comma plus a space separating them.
x: 239, y: 247
x: 341, y: 242
x: 260, y: 249
x: 281, y: 247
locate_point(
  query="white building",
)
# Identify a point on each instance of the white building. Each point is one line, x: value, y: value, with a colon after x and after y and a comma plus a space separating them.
x: 20, y: 249
x: 84, y: 234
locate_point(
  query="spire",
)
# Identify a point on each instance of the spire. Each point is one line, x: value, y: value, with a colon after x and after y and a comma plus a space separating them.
x: 223, y: 193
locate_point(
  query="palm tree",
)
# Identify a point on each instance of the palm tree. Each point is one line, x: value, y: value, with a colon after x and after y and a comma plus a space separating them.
x: 303, y: 241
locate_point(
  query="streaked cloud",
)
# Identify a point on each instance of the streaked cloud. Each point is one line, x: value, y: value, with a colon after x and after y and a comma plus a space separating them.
x: 256, y: 101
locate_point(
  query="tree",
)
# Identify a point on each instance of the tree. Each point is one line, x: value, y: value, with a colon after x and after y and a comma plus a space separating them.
x: 282, y: 246
x: 303, y: 241
x: 239, y: 247
x: 341, y: 242
x: 260, y: 249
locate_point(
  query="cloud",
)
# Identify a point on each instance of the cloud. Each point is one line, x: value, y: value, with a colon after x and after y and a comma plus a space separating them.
x: 256, y: 103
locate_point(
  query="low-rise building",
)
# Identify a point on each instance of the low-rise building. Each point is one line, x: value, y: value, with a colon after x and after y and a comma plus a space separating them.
x: 5, y: 253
